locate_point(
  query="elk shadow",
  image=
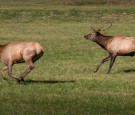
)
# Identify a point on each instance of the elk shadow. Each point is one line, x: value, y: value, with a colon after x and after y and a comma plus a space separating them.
x: 129, y: 70
x: 27, y: 82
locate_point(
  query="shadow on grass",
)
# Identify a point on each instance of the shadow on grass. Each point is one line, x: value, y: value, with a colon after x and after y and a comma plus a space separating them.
x: 45, y: 82
x: 129, y: 70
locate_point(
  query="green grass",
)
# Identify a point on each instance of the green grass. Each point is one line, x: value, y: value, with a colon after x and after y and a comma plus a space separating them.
x: 63, y: 82
x: 66, y: 2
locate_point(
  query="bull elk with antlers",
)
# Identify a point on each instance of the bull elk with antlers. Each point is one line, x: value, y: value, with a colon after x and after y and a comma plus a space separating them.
x: 114, y: 45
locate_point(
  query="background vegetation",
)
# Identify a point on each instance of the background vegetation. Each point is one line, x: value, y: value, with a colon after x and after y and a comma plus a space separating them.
x: 67, y: 2
x: 63, y: 81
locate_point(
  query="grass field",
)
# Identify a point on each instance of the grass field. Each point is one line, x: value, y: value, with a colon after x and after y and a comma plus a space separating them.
x: 63, y: 82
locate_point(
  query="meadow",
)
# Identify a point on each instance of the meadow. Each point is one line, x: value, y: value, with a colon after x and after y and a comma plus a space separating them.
x: 63, y: 81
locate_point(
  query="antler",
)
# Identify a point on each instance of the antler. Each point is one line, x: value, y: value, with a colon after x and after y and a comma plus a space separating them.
x: 106, y: 28
x: 101, y: 28
x: 93, y: 28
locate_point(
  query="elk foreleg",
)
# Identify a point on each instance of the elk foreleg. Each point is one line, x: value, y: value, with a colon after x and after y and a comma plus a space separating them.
x: 27, y: 71
x: 113, y: 57
x: 2, y: 71
x: 103, y: 61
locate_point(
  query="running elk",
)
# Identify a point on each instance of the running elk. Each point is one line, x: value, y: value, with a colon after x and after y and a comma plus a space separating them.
x: 114, y: 45
x: 18, y: 52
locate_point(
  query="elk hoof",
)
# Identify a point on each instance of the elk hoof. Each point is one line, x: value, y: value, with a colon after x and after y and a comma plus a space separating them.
x: 95, y: 71
x: 20, y: 79
x: 5, y: 78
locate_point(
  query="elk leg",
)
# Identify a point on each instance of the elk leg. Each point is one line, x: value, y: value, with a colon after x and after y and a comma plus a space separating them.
x: 113, y: 57
x: 103, y: 61
x: 2, y: 71
x: 10, y: 64
x: 27, y: 71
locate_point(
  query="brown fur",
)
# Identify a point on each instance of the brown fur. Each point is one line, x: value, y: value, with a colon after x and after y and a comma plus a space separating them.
x: 114, y: 45
x: 18, y: 52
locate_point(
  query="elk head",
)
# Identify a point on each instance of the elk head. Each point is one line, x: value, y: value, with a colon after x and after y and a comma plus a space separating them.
x: 96, y: 33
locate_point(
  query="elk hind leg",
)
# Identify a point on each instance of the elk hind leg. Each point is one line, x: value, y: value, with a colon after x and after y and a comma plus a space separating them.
x: 27, y: 71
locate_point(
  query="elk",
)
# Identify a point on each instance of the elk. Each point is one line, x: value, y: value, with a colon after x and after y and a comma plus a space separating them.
x: 19, y: 52
x: 114, y: 45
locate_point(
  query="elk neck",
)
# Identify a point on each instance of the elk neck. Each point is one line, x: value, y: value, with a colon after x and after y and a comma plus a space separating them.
x: 103, y: 40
